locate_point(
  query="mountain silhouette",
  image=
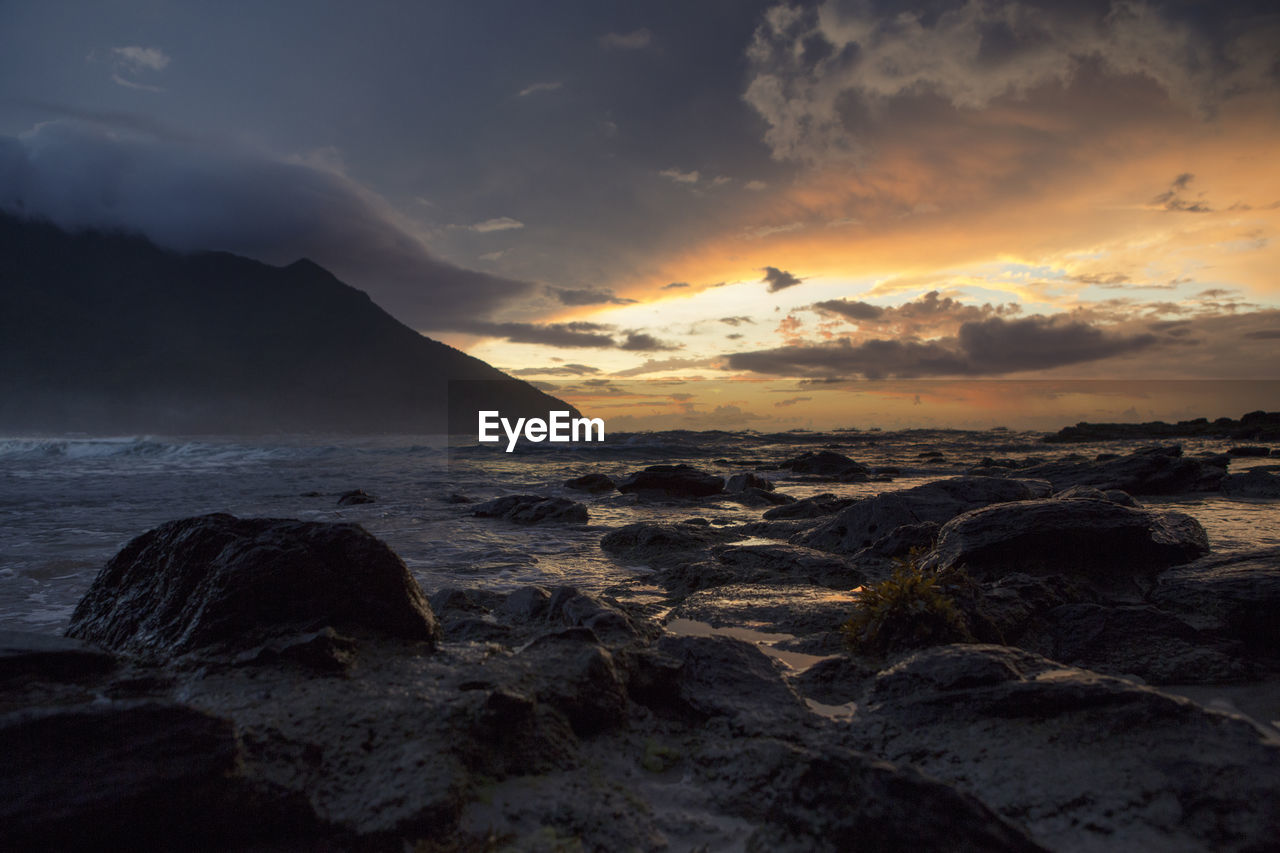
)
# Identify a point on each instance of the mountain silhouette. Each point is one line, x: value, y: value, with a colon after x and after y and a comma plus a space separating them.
x: 106, y: 333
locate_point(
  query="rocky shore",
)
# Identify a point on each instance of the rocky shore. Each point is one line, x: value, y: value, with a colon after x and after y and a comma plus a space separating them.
x: 1254, y: 426
x: 271, y: 684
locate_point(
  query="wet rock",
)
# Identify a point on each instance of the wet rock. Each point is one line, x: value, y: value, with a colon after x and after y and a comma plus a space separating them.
x: 781, y: 529
x: 1115, y: 496
x: 1083, y: 761
x: 325, y: 652
x: 591, y: 483
x: 879, y: 559
x: 1114, y: 547
x: 225, y: 582
x: 827, y: 464
x: 866, y: 521
x: 673, y: 481
x: 1254, y: 483
x: 759, y: 497
x: 51, y: 658
x: 1133, y: 641
x: 355, y: 497
x: 579, y: 679
x: 748, y: 480
x: 1005, y: 610
x: 1249, y: 450
x: 817, y: 506
x: 456, y: 498
x: 661, y: 543
x: 532, y: 509
x: 832, y: 801
x: 1233, y: 595
x: 143, y: 775
x: 773, y: 563
x: 835, y: 680
x: 1152, y: 471
x: 810, y: 614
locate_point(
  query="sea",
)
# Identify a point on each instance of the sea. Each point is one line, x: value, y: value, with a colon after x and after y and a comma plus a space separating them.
x: 68, y: 504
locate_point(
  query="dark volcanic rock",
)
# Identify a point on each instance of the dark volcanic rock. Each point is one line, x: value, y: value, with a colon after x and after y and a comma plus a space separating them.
x: 676, y: 481
x: 1252, y: 484
x: 1108, y: 544
x: 748, y: 480
x: 868, y: 520
x: 788, y: 564
x: 532, y: 509
x: 827, y: 464
x: 1235, y: 595
x: 1085, y: 761
x: 814, y: 507
x: 50, y: 657
x: 1133, y: 640
x: 591, y: 483
x: 217, y: 580
x: 1153, y: 471
x: 651, y: 543
x: 355, y: 497
x: 130, y: 775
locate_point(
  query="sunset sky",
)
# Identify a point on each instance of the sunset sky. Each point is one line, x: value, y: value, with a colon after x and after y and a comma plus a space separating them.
x: 799, y: 196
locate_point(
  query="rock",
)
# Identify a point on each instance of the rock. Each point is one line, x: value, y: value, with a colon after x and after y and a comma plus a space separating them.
x: 835, y: 680
x: 1005, y: 610
x: 456, y: 498
x: 1084, y: 761
x: 1256, y: 426
x: 355, y: 497
x: 591, y: 483
x: 1133, y: 641
x: 774, y: 563
x: 1109, y: 545
x: 748, y: 480
x: 880, y: 558
x: 810, y: 614
x: 827, y: 464
x: 661, y: 543
x: 532, y: 509
x: 50, y: 658
x: 759, y: 497
x: 836, y: 800
x: 582, y: 681
x: 1152, y: 471
x: 220, y: 581
x: 1233, y: 595
x: 868, y: 520
x: 1249, y: 450
x: 138, y: 775
x: 1115, y: 496
x: 1254, y: 483
x: 814, y: 507
x: 675, y: 481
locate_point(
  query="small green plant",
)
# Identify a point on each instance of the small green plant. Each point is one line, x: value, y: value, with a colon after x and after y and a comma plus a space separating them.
x: 912, y: 609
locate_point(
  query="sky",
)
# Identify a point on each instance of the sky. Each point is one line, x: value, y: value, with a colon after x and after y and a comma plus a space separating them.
x: 704, y: 209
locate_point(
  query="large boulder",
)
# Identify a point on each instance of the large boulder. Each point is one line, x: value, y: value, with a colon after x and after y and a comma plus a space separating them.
x: 777, y: 562
x: 817, y: 506
x: 1084, y: 761
x: 748, y: 480
x: 866, y: 521
x: 662, y: 543
x: 673, y: 481
x: 1233, y: 595
x: 1151, y: 471
x: 591, y: 483
x: 532, y: 509
x: 1110, y: 545
x: 827, y: 465
x: 226, y: 582
x: 1254, y: 483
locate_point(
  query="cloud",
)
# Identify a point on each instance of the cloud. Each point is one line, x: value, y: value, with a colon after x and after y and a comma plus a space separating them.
x: 791, y: 401
x: 852, y: 309
x: 1172, y: 199
x: 558, y: 370
x: 680, y: 177
x: 736, y: 321
x: 642, y: 342
x: 129, y: 63
x: 779, y: 279
x: 535, y: 88
x: 502, y: 223
x: 675, y: 284
x: 815, y: 73
x: 658, y: 365
x: 634, y: 40
x: 1263, y: 335
x: 990, y: 347
x: 587, y: 296
x: 762, y: 231
x: 576, y: 334
x: 755, y: 186
x: 930, y: 312
x: 187, y: 195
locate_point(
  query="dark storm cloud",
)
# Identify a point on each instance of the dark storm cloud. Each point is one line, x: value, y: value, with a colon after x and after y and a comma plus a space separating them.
x: 851, y: 308
x: 779, y: 279
x: 930, y: 311
x: 990, y: 347
x: 642, y: 342
x: 590, y: 335
x: 588, y: 296
x: 188, y: 196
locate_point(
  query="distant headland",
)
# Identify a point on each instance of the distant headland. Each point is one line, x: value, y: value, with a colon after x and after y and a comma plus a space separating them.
x: 1254, y: 426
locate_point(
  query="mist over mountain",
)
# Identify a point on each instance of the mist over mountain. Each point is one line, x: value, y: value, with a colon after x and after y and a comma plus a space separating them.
x: 106, y: 333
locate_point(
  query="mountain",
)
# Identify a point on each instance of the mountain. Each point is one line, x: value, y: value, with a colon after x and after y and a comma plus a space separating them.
x: 106, y: 333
